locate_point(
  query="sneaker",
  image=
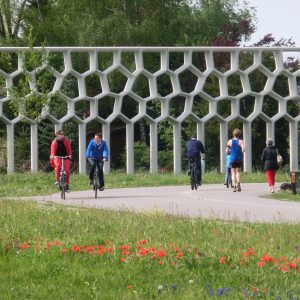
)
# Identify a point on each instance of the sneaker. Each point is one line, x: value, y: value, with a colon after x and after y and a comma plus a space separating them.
x: 239, y: 187
x: 272, y: 190
x: 234, y: 189
x: 225, y: 183
x: 91, y: 182
x: 189, y: 173
x: 56, y: 182
x: 199, y: 183
x: 67, y: 188
x: 101, y: 188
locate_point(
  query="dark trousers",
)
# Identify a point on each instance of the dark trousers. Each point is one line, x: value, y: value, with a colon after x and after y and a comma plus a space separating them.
x: 199, y: 169
x: 93, y: 164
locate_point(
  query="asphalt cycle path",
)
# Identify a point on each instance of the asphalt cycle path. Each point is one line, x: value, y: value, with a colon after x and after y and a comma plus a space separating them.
x: 213, y: 201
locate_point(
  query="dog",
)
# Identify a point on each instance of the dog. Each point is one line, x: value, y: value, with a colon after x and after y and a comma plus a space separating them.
x: 285, y: 187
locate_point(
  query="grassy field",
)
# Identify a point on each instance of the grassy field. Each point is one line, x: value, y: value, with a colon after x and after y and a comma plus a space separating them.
x: 51, y: 251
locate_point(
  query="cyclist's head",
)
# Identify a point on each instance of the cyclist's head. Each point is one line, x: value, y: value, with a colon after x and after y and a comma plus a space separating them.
x: 98, y: 137
x: 194, y: 135
x: 59, y: 134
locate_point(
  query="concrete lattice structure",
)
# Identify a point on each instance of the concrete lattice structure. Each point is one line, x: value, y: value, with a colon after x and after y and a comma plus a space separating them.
x: 188, y: 68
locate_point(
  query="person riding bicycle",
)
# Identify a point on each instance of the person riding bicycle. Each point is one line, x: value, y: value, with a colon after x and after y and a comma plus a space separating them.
x: 194, y: 148
x: 96, y: 154
x: 61, y: 146
x: 228, y: 165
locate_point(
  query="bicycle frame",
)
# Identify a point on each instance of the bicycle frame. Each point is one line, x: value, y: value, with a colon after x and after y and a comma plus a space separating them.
x: 62, y: 176
x: 96, y: 183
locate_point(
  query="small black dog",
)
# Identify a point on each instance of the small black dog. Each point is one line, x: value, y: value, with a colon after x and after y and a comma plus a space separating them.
x: 285, y: 187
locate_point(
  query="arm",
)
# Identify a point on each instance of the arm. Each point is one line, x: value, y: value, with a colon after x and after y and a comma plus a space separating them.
x: 105, y: 151
x: 53, y: 149
x: 88, y: 150
x: 242, y: 145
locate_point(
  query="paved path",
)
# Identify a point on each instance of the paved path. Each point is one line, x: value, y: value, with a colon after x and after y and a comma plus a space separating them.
x: 209, y: 201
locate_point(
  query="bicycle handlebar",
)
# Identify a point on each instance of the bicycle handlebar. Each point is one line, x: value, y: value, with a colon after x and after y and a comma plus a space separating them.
x: 63, y: 157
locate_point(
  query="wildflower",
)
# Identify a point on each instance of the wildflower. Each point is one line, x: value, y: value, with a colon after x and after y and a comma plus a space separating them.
x: 24, y: 246
x: 261, y: 264
x: 160, y: 262
x: 142, y: 242
x: 222, y: 260
x: 130, y: 286
x: 191, y: 281
x: 122, y: 259
x: 64, y: 250
x: 174, y: 287
x: 159, y: 289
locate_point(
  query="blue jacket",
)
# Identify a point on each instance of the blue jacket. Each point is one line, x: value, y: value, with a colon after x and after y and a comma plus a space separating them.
x: 97, y: 152
x: 194, y: 148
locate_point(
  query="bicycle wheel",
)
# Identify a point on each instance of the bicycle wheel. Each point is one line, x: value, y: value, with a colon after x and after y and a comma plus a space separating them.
x: 227, y: 182
x: 194, y: 179
x: 63, y: 186
x: 95, y: 185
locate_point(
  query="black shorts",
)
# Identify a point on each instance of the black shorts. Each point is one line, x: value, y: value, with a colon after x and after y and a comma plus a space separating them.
x: 236, y: 164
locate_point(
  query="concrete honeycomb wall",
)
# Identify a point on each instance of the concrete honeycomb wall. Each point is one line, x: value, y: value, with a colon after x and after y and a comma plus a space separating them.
x: 187, y: 69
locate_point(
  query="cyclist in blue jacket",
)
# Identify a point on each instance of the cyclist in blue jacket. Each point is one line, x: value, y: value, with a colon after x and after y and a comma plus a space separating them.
x: 194, y: 148
x: 97, y: 153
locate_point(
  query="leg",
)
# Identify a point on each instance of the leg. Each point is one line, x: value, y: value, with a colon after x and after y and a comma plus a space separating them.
x: 57, y: 163
x: 92, y: 170
x: 67, y: 169
x: 238, y: 178
x: 101, y: 176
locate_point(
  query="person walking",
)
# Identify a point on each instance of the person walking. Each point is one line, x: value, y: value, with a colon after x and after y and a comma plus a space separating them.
x: 228, y: 165
x: 194, y: 148
x: 269, y: 159
x: 237, y: 148
x: 96, y: 154
x: 61, y: 146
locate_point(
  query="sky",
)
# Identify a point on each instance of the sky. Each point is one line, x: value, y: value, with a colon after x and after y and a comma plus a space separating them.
x: 279, y: 17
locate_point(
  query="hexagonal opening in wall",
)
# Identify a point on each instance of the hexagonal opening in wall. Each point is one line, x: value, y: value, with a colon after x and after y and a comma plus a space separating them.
x: 246, y: 60
x: 128, y: 61
x: 105, y: 60
x: 199, y: 61
x: 45, y: 81
x: 106, y: 106
x: 8, y: 62
x: 58, y: 106
x: 3, y: 89
x: 247, y: 106
x: 93, y: 85
x: 176, y: 106
x: 117, y: 81
x: 234, y: 84
x: 212, y: 86
x: 21, y: 85
x: 268, y: 60
x: 56, y: 61
x: 8, y: 111
x: 270, y: 106
x: 293, y: 108
x: 32, y: 60
x: 281, y: 85
x: 141, y: 86
x: 176, y: 60
x: 152, y: 61
x: 200, y: 107
x: 83, y: 109
x: 224, y: 108
x: 222, y: 61
x: 130, y: 107
x: 153, y: 108
x: 188, y: 81
x: 164, y: 85
x: 70, y: 86
x: 80, y: 61
x: 257, y: 80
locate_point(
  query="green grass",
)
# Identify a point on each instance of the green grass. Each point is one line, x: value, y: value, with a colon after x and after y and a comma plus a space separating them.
x: 188, y: 266
x: 181, y: 259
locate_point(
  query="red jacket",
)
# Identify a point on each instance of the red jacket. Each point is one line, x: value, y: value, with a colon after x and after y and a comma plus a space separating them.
x: 54, y: 148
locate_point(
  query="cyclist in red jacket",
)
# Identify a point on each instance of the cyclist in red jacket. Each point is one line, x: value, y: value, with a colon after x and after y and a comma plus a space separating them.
x: 61, y: 146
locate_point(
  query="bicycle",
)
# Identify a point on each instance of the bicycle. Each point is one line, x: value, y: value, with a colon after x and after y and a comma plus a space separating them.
x: 62, y: 177
x: 193, y: 173
x: 96, y: 183
x: 229, y: 179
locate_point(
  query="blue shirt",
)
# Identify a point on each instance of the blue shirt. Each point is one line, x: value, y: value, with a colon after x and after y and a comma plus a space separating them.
x: 236, y: 153
x: 95, y: 151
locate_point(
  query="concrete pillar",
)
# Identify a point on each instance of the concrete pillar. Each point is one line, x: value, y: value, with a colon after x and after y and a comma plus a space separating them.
x: 248, y: 147
x: 130, y: 148
x: 153, y: 148
x: 106, y: 137
x: 34, y: 148
x: 177, y: 147
x: 10, y: 149
x: 293, y: 126
x: 82, y: 148
x: 223, y: 143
